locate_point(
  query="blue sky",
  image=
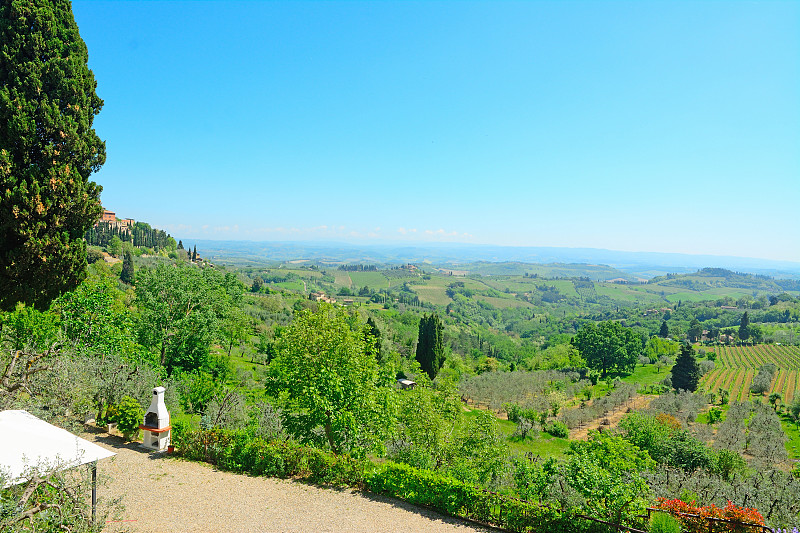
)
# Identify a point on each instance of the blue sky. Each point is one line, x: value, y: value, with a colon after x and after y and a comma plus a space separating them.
x: 636, y: 126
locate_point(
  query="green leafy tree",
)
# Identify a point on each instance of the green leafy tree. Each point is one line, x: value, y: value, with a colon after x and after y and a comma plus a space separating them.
x: 235, y: 327
x: 605, y: 470
x: 686, y: 371
x: 94, y: 317
x: 658, y: 347
x: 27, y: 326
x: 695, y: 330
x: 126, y: 275
x: 258, y: 283
x: 48, y: 150
x: 180, y: 310
x: 608, y: 346
x: 664, y: 331
x: 114, y: 246
x: 128, y: 415
x: 427, y: 419
x: 430, y: 344
x: 373, y: 331
x: 332, y: 383
x: 479, y: 452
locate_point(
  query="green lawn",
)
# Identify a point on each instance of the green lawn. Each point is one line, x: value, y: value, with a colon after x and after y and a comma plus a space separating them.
x: 373, y: 280
x: 792, y: 431
x: 537, y: 443
x: 291, y: 285
x: 502, y: 303
x: 646, y: 375
x: 432, y: 294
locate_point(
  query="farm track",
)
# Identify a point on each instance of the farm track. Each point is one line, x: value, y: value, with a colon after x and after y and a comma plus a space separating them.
x: 744, y: 391
x: 787, y: 392
x: 780, y: 382
x: 636, y: 403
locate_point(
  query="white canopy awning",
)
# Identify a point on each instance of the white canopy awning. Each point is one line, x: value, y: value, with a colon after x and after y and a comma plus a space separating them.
x: 27, y: 441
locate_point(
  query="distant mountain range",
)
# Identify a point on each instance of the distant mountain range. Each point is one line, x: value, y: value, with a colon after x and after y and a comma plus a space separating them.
x: 635, y: 264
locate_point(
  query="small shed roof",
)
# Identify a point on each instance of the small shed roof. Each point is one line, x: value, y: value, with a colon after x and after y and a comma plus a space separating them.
x: 30, y: 441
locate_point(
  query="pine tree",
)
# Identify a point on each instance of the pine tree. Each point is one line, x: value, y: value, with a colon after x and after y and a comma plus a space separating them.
x: 686, y: 371
x: 127, y: 268
x: 48, y: 150
x: 180, y: 245
x: 430, y: 346
x: 664, y: 332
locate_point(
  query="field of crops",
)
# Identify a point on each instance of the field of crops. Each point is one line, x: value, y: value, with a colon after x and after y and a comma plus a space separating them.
x: 737, y: 365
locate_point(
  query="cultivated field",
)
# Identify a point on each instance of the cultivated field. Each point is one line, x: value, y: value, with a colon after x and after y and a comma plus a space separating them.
x: 737, y: 365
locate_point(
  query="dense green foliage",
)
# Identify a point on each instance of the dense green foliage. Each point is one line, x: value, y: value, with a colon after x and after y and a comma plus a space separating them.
x: 140, y: 234
x: 608, y: 346
x: 276, y: 368
x: 331, y: 379
x: 48, y: 150
x: 181, y: 310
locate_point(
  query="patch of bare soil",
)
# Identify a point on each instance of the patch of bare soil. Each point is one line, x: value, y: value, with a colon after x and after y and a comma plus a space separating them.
x: 636, y: 403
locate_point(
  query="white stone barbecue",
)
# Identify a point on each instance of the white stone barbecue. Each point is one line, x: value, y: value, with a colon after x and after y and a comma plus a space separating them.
x: 156, y: 428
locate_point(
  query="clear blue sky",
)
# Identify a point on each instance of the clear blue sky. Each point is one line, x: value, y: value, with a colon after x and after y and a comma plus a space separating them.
x: 637, y: 126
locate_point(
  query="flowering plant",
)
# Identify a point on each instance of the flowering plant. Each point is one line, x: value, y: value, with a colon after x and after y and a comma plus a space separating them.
x: 698, y: 521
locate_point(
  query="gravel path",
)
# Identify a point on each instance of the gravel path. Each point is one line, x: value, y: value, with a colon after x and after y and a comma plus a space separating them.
x: 161, y: 493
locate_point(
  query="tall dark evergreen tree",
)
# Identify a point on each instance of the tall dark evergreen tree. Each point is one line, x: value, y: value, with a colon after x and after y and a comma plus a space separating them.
x: 180, y: 245
x: 127, y: 268
x: 744, y: 327
x: 48, y: 150
x: 664, y: 331
x: 686, y: 371
x: 194, y: 253
x: 430, y: 346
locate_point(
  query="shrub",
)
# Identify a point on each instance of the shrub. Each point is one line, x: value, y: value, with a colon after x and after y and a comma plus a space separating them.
x: 239, y: 451
x: 128, y: 415
x: 664, y: 523
x: 557, y: 429
x: 451, y: 496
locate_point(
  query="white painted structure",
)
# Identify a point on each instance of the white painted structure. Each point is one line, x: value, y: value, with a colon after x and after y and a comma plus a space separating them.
x: 29, y: 442
x: 156, y: 429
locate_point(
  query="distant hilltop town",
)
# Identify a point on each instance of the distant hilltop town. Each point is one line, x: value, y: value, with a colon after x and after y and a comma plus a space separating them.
x: 111, y: 218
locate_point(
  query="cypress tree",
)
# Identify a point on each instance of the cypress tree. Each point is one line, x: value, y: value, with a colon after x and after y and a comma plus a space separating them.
x: 686, y: 371
x: 664, y: 331
x: 430, y: 345
x: 744, y: 327
x: 48, y: 150
x: 194, y: 253
x: 127, y: 268
x: 180, y: 245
